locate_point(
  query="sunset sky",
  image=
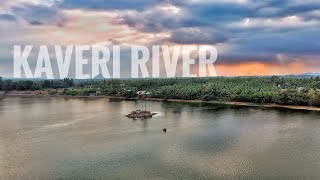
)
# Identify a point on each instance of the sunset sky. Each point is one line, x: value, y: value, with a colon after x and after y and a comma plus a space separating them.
x: 253, y: 37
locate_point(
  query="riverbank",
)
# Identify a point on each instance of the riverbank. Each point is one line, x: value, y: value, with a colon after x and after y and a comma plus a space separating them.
x: 308, y: 108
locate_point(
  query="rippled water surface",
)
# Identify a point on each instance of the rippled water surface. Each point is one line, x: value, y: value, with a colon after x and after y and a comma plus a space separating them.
x: 60, y: 138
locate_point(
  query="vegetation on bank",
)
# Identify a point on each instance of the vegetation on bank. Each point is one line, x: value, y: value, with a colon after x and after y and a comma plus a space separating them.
x: 278, y: 90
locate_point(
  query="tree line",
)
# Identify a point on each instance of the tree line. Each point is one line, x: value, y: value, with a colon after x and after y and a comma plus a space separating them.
x: 32, y: 85
x: 279, y: 90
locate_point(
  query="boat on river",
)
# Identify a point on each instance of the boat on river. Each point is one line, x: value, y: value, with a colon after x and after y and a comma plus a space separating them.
x: 140, y: 114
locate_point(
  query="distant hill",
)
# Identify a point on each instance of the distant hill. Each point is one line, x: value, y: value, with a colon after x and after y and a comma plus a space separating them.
x: 311, y: 74
x: 306, y: 75
x: 99, y: 77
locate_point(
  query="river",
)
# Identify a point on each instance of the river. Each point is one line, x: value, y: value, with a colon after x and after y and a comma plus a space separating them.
x: 90, y: 138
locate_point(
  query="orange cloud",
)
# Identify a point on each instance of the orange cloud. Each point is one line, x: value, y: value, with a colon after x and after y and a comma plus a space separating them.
x: 259, y: 68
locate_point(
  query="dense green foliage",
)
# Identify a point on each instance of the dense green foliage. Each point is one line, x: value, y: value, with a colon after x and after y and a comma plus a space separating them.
x: 24, y: 85
x: 279, y: 90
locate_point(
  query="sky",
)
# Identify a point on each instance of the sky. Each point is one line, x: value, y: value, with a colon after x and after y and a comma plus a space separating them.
x: 253, y: 37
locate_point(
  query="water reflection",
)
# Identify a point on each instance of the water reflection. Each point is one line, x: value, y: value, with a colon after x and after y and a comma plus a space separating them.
x: 80, y: 138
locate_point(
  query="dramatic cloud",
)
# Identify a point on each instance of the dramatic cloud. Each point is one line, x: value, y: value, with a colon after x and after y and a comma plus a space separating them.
x: 268, y: 33
x: 39, y: 14
x: 197, y: 36
x: 7, y: 17
x: 108, y: 4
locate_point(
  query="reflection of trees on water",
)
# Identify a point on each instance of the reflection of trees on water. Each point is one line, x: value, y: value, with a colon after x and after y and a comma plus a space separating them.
x: 144, y: 124
x: 1, y: 102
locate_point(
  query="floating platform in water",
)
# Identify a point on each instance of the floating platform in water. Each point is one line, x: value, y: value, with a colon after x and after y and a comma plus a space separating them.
x: 140, y: 114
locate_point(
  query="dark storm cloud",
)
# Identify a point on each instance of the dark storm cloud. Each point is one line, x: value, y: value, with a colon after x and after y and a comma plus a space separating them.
x: 108, y: 4
x: 197, y: 36
x: 152, y: 21
x: 304, y: 41
x: 39, y: 14
x: 216, y: 23
x: 7, y: 17
x: 266, y: 47
x: 192, y: 15
x: 36, y: 23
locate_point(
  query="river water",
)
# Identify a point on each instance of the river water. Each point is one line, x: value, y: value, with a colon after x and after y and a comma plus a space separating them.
x: 90, y: 138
